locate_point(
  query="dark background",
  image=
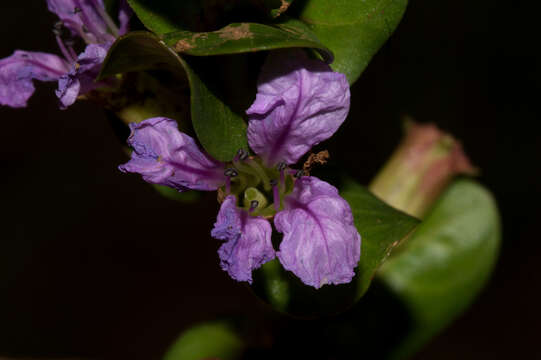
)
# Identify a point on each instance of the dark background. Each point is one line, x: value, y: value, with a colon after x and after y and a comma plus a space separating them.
x: 96, y: 263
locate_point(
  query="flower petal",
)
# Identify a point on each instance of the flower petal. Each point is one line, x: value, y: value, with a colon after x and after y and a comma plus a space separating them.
x: 83, y: 18
x: 248, y: 240
x: 321, y: 244
x: 300, y: 102
x: 81, y: 78
x: 163, y: 155
x: 18, y: 70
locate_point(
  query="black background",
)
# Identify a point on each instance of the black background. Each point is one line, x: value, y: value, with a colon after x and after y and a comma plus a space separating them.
x: 95, y: 263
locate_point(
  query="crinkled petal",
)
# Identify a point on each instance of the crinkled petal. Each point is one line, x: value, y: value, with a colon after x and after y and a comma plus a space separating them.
x: 82, y: 17
x: 124, y: 15
x: 18, y: 70
x: 248, y: 240
x: 163, y: 155
x: 82, y: 76
x: 321, y: 244
x: 299, y: 103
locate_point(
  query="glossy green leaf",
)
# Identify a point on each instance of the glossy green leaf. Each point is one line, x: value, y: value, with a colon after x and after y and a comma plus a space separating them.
x: 381, y: 228
x: 353, y: 30
x: 445, y: 263
x: 163, y: 16
x: 246, y: 37
x: 220, y: 131
x: 211, y: 340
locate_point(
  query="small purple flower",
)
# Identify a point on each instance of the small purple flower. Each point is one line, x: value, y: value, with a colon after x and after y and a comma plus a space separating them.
x: 86, y: 19
x: 300, y: 102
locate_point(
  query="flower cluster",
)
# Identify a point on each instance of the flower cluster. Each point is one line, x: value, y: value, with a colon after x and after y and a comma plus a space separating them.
x: 84, y: 19
x: 299, y: 103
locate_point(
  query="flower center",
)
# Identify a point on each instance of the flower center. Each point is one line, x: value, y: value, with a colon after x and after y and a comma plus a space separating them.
x: 258, y: 188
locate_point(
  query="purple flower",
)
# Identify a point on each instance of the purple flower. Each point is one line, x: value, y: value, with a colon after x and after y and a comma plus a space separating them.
x: 86, y: 19
x: 300, y: 102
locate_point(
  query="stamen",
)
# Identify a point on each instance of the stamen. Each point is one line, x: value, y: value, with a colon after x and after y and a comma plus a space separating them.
x: 241, y: 155
x: 88, y: 24
x: 80, y: 30
x: 281, y: 166
x: 230, y: 172
x: 253, y: 205
x: 228, y: 185
x: 69, y: 44
x: 276, y: 196
x: 76, y: 10
x: 110, y: 23
x: 299, y: 174
x: 70, y: 56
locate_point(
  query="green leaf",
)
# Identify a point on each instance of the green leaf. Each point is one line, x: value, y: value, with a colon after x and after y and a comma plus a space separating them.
x: 211, y: 340
x: 220, y: 131
x: 445, y: 263
x: 353, y: 30
x: 164, y: 16
x: 246, y: 37
x: 381, y: 228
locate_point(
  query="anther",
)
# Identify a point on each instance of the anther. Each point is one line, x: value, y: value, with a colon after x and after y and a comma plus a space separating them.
x: 254, y: 204
x: 242, y: 154
x: 299, y: 174
x: 274, y: 182
x: 77, y: 10
x: 230, y: 172
x: 57, y: 28
x: 281, y: 166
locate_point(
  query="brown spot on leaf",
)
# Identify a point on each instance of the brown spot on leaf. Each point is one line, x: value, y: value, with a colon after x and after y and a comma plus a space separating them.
x: 236, y: 32
x: 183, y: 45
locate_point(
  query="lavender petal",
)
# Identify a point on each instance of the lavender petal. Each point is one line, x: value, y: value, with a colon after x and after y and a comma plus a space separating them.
x: 164, y: 155
x: 321, y: 244
x: 248, y: 240
x: 18, y: 70
x: 81, y: 78
x: 300, y: 102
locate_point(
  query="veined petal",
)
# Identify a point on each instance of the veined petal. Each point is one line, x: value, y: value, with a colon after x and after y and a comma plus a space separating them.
x: 82, y: 17
x: 248, y: 240
x: 163, y: 155
x: 299, y: 103
x: 18, y: 70
x: 81, y: 78
x: 321, y: 244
